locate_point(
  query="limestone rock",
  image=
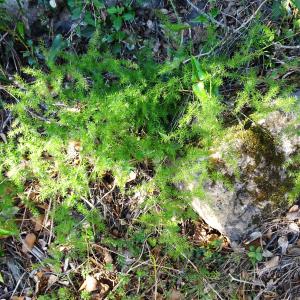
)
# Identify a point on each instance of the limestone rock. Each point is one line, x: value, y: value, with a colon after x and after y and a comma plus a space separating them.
x: 263, y: 181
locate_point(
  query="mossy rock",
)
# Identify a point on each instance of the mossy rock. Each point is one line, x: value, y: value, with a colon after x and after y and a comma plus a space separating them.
x: 254, y: 161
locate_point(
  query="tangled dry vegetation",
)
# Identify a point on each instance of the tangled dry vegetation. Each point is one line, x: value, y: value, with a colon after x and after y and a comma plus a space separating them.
x: 118, y: 228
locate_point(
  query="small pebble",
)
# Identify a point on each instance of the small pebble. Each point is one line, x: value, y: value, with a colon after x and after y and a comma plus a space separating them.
x: 150, y: 24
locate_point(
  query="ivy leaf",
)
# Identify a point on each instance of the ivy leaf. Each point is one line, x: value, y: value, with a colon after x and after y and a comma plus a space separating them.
x: 117, y: 23
x: 129, y: 16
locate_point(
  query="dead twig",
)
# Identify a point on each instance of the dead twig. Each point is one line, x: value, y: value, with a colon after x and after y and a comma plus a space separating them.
x: 17, y: 285
x: 244, y: 281
x: 213, y: 20
x: 251, y: 18
x: 3, y: 36
x: 286, y: 46
x: 106, y: 194
x: 214, y: 290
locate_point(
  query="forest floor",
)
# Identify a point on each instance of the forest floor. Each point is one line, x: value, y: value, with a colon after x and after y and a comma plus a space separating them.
x: 265, y: 265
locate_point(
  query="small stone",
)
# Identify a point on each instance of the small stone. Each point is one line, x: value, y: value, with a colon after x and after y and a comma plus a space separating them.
x: 164, y: 11
x: 150, y: 24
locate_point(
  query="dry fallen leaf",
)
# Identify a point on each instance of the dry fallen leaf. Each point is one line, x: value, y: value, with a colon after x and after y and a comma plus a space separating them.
x: 83, y: 286
x: 52, y: 279
x: 91, y: 284
x: 272, y: 263
x: 104, y: 291
x: 294, y: 227
x: 43, y: 244
x: 14, y: 170
x: 40, y: 274
x: 291, y: 216
x: 66, y: 264
x: 104, y: 287
x: 267, y: 253
x: 283, y: 244
x: 176, y: 295
x: 73, y: 149
x: 2, y: 135
x: 212, y: 237
x: 107, y: 257
x: 43, y: 206
x: 38, y: 222
x: 294, y: 251
x: 17, y: 298
x: 132, y: 176
x: 254, y: 236
x: 159, y: 296
x: 156, y: 47
x: 269, y: 234
x: 28, y: 242
x: 294, y: 208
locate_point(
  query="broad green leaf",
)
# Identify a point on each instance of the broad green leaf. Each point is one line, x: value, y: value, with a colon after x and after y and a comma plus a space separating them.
x: 98, y: 4
x: 199, y: 90
x: 177, y: 27
x: 88, y: 19
x: 115, y: 10
x: 120, y: 35
x: 57, y: 45
x: 201, y: 19
x: 108, y: 38
x: 76, y: 12
x: 5, y: 232
x: 21, y: 29
x: 117, y: 23
x: 214, y: 12
x: 198, y: 72
x: 71, y: 3
x: 129, y: 16
x: 112, y: 10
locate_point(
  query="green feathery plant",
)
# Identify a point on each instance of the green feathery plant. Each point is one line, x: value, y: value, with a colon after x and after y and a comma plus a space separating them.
x: 92, y: 114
